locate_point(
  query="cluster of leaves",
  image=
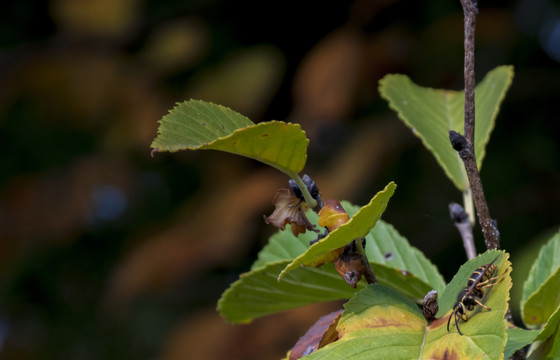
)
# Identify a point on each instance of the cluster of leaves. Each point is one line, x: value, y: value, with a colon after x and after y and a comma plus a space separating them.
x: 381, y: 317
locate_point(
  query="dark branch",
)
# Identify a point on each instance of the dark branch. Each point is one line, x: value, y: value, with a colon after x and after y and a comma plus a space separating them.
x: 487, y: 224
x: 465, y: 145
x: 470, y: 10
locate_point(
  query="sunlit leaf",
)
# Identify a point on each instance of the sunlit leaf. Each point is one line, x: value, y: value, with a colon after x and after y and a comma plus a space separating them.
x: 197, y: 125
x: 540, y: 291
x: 431, y: 113
x: 358, y: 226
x: 381, y: 323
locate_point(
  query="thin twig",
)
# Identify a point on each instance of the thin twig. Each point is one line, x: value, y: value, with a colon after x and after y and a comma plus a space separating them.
x: 487, y: 224
x: 463, y: 223
x: 369, y: 274
x: 470, y: 10
x: 465, y: 145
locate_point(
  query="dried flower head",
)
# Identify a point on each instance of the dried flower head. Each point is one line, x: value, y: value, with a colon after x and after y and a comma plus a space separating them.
x: 289, y: 210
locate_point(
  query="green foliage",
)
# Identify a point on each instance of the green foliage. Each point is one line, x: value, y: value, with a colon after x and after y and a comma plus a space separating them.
x: 258, y: 292
x: 449, y: 296
x: 408, y: 271
x: 540, y: 292
x: 378, y: 318
x: 201, y: 125
x: 379, y: 322
x: 517, y: 338
x: 431, y: 113
x: 384, y: 245
x: 357, y: 227
x: 548, y: 341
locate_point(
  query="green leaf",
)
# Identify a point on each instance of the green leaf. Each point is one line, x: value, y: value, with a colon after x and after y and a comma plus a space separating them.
x: 403, y: 281
x: 548, y: 344
x: 398, y: 272
x: 384, y: 245
x: 540, y: 291
x: 551, y: 325
x: 380, y: 323
x: 395, y: 262
x: 518, y: 338
x: 431, y: 113
x: 358, y: 226
x: 283, y: 245
x: 548, y: 339
x: 258, y: 292
x: 448, y: 298
x: 198, y: 125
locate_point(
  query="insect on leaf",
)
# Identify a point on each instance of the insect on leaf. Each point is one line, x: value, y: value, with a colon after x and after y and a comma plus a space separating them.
x: 379, y: 322
x: 196, y: 124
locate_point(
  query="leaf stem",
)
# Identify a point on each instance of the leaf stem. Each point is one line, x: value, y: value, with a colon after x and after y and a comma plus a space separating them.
x: 312, y: 203
x: 468, y: 205
x: 463, y: 224
x: 369, y: 274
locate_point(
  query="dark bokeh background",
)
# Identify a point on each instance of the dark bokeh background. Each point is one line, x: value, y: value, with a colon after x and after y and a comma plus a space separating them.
x: 108, y: 253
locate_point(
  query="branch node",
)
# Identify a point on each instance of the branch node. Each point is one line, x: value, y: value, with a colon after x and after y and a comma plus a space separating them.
x: 458, y: 141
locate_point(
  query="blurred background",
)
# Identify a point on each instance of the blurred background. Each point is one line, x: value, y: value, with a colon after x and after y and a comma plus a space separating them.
x: 109, y: 253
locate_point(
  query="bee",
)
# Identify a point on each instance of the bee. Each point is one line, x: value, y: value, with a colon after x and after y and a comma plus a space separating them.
x: 469, y: 297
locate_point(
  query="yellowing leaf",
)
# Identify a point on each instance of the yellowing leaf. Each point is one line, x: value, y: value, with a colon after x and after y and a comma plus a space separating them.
x: 380, y: 323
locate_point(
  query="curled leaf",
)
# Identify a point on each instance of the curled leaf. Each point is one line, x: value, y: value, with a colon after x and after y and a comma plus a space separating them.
x: 349, y: 265
x: 323, y: 332
x: 289, y: 210
x: 332, y: 215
